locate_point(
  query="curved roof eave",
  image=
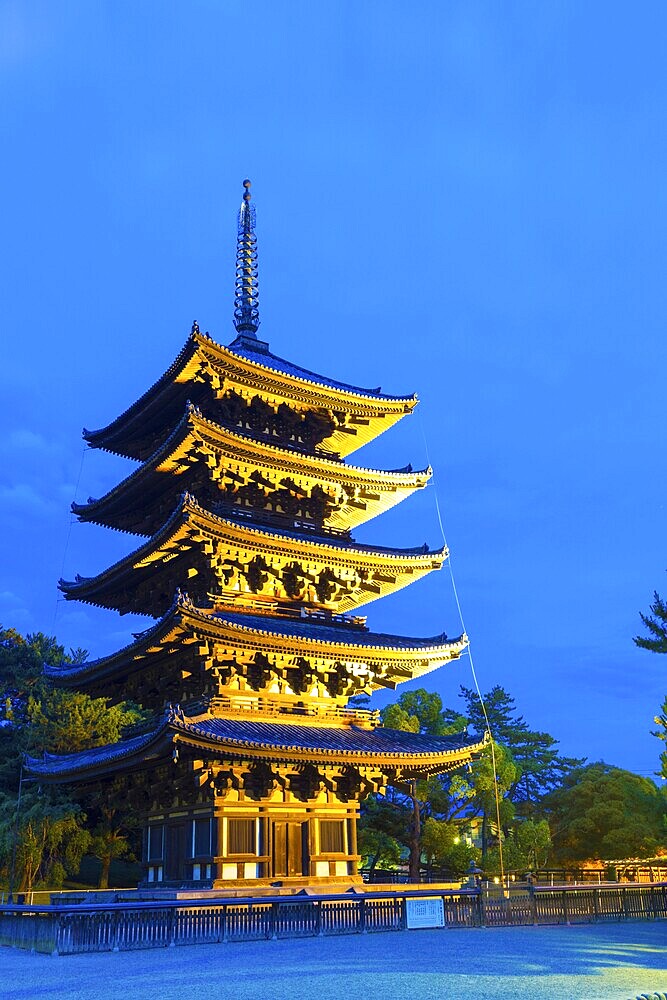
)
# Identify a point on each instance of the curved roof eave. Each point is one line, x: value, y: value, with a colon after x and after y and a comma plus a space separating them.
x: 275, y: 365
x: 183, y: 614
x: 192, y: 419
x: 278, y: 741
x: 411, y: 557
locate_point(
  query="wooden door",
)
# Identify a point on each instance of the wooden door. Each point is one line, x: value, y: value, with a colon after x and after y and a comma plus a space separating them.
x: 280, y: 849
x: 177, y: 841
x: 290, y: 848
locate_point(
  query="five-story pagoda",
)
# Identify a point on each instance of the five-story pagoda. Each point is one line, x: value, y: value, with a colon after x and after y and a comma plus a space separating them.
x: 254, y: 767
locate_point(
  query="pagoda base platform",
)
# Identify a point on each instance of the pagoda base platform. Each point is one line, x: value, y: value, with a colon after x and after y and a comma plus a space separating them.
x: 248, y: 891
x: 252, y: 887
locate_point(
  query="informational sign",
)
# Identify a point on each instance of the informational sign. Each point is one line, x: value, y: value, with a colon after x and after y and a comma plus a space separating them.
x: 425, y: 911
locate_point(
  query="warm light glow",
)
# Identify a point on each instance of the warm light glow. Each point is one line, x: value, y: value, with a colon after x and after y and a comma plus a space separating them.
x: 496, y: 879
x: 457, y: 840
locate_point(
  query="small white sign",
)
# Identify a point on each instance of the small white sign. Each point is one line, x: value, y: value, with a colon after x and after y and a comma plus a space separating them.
x: 425, y: 911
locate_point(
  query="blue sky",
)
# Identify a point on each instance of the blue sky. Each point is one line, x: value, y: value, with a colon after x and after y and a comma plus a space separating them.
x: 462, y: 199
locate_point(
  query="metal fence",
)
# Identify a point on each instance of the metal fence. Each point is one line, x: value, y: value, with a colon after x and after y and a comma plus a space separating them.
x: 68, y: 930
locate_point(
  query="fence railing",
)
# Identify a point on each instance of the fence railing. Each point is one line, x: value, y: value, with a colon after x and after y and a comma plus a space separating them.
x: 85, y: 927
x: 614, y: 872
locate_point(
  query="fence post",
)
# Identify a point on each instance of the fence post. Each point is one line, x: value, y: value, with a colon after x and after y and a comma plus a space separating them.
x: 56, y: 934
x: 172, y: 927
x: 625, y: 902
x: 596, y: 904
x: 533, y: 904
x: 115, y: 931
x: 566, y: 915
x: 362, y: 915
x: 274, y: 922
x: 480, y: 907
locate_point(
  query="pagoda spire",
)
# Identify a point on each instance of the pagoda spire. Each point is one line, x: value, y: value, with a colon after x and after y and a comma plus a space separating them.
x: 246, y: 300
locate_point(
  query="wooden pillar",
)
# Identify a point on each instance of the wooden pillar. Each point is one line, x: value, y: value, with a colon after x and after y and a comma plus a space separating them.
x: 219, y: 833
x: 352, y: 841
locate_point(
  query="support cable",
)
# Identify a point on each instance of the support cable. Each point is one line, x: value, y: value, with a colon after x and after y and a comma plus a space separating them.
x: 469, y: 651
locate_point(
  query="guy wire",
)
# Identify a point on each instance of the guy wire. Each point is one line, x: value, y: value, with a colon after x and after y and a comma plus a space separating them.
x: 469, y: 650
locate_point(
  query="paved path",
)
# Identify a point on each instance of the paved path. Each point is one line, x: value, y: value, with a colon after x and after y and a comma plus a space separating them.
x: 608, y: 962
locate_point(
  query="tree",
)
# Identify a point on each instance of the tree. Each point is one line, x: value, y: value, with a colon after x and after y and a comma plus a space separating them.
x: 527, y: 766
x: 421, y: 711
x: 485, y: 783
x: 418, y: 711
x: 381, y: 831
x: 607, y: 813
x: 443, y: 846
x: 450, y: 797
x: 37, y: 718
x: 51, y: 838
x: 539, y: 766
x: 68, y: 721
x: 656, y: 641
x: 656, y: 623
x: 525, y: 849
x: 107, y: 843
x: 661, y: 733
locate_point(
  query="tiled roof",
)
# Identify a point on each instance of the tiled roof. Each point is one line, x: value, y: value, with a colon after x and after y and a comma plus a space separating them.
x: 261, y: 356
x: 304, y: 628
x: 71, y: 763
x: 351, y: 740
x: 187, y: 504
x: 244, y: 348
x: 192, y: 421
x: 231, y: 737
x: 333, y: 540
x: 301, y: 628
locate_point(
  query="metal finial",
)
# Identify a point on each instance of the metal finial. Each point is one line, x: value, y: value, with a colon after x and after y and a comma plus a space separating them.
x: 246, y: 300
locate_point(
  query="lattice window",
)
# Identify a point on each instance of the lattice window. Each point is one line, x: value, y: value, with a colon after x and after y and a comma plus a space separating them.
x: 241, y: 836
x: 155, y: 842
x: 201, y: 838
x: 332, y: 836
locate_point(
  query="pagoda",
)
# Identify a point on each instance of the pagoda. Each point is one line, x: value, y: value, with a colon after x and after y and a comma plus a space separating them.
x: 254, y: 765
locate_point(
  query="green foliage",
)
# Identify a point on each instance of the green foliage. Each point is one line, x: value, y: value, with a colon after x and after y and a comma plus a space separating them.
x: 661, y: 733
x: 605, y: 812
x: 483, y: 784
x: 533, y: 842
x: 51, y: 838
x: 68, y: 721
x: 525, y: 849
x: 443, y: 846
x: 656, y: 641
x: 421, y: 711
x: 108, y: 844
x: 438, y: 839
x: 447, y: 798
x: 528, y: 766
x: 382, y: 829
x: 22, y: 681
x: 377, y: 848
x: 539, y: 766
x: 394, y: 716
x: 36, y: 718
x: 656, y: 623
